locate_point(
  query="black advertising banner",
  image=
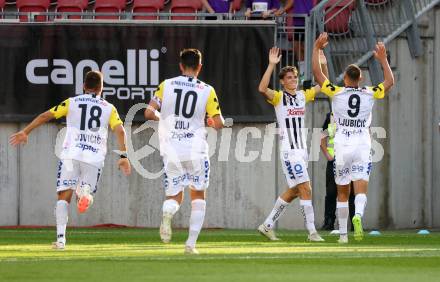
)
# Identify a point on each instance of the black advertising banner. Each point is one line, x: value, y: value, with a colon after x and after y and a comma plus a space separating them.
x: 43, y: 64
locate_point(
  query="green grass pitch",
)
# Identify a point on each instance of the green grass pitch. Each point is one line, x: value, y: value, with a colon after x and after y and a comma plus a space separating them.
x: 125, y: 254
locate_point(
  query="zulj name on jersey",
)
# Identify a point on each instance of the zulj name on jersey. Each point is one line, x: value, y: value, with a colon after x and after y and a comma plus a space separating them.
x: 125, y: 81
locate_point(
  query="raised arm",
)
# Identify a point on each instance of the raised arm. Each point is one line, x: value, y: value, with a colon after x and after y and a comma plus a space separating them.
x: 274, y: 59
x: 380, y: 53
x: 324, y: 68
x: 21, y: 137
x: 320, y: 44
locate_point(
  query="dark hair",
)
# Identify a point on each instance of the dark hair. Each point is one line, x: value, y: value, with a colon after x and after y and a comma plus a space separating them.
x: 353, y: 72
x: 190, y: 58
x: 93, y: 80
x: 287, y: 69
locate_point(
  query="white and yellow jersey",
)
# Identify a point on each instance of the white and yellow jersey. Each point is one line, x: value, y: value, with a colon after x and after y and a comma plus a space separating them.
x: 88, y: 118
x: 184, y: 103
x: 352, y: 109
x: 291, y: 112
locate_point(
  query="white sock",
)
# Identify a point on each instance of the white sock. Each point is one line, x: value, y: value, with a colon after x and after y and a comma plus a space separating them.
x: 308, y: 214
x: 278, y: 209
x: 360, y: 202
x: 198, y: 208
x: 170, y: 207
x: 61, y: 215
x: 342, y: 208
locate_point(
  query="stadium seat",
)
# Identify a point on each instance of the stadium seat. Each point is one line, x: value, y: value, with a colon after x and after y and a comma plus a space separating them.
x: 185, y: 6
x: 109, y: 6
x: 338, y: 25
x: 33, y: 6
x: 236, y: 5
x: 72, y: 6
x: 147, y: 6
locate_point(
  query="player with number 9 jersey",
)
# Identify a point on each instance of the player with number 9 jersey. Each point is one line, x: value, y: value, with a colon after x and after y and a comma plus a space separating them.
x: 352, y: 107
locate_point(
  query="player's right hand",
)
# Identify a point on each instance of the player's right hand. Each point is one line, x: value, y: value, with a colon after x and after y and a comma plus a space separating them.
x: 322, y: 41
x: 380, y: 52
x: 274, y: 57
x: 18, y: 138
x: 124, y: 166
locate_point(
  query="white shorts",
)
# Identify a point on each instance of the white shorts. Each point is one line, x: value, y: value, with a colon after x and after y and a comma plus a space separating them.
x: 294, y: 165
x: 72, y: 173
x: 352, y: 163
x: 179, y: 175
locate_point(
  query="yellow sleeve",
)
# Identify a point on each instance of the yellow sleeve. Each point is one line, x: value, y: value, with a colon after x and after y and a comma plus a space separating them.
x: 212, y: 106
x: 158, y: 95
x: 378, y: 91
x: 115, y: 120
x: 310, y: 94
x: 61, y: 110
x: 276, y: 98
x: 329, y: 88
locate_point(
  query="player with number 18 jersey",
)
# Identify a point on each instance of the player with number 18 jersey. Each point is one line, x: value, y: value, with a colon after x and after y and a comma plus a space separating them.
x: 88, y: 117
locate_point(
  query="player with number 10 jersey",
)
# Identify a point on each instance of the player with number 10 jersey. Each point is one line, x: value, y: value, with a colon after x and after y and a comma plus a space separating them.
x: 184, y: 102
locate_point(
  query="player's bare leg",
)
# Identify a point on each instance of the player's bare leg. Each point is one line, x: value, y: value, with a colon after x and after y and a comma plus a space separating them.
x: 266, y: 229
x: 170, y: 206
x: 61, y: 215
x: 342, y: 210
x: 305, y: 202
x: 198, y: 209
x: 360, y: 201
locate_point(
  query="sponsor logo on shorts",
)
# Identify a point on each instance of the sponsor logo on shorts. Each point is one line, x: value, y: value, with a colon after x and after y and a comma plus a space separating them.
x: 357, y: 168
x: 343, y: 172
x: 186, y: 176
x: 67, y: 182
